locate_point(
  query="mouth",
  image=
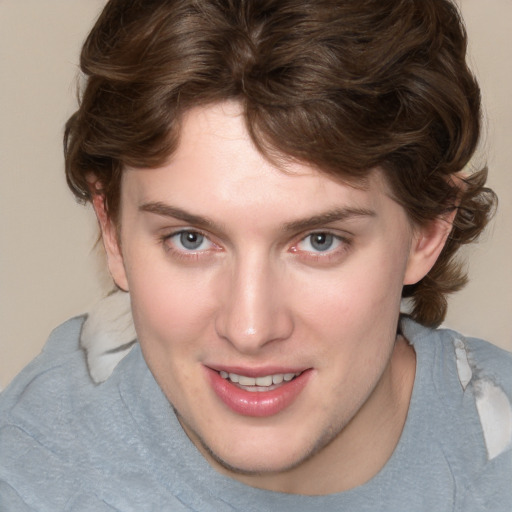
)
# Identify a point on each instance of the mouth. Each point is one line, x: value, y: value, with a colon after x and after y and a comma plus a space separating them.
x: 258, y: 395
x: 258, y: 384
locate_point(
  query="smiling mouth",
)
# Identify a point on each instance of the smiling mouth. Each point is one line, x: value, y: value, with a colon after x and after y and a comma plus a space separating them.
x: 263, y: 383
x: 258, y: 396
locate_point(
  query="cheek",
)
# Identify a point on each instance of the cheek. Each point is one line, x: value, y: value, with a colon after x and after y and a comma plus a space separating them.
x: 169, y: 305
x: 368, y: 286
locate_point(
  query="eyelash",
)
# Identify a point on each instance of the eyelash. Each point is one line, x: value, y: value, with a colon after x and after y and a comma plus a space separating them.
x: 184, y: 254
x: 344, y: 244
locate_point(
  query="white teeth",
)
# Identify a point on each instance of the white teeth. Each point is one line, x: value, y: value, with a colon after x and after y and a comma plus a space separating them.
x: 265, y: 381
x: 277, y: 379
x: 246, y: 381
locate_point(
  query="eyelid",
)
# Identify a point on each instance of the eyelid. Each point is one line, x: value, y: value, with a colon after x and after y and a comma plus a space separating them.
x: 336, y: 240
x: 165, y: 239
x: 325, y: 257
x: 346, y: 237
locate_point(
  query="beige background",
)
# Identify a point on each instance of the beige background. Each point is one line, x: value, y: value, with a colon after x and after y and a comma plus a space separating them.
x: 49, y: 269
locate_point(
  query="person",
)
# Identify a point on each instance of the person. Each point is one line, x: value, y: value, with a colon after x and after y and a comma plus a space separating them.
x: 275, y: 181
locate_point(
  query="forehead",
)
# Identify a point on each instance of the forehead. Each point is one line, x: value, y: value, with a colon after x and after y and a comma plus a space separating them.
x: 216, y: 166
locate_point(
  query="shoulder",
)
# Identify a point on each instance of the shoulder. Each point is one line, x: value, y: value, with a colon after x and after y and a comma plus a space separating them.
x: 483, y: 372
x: 49, y: 386
x: 38, y: 429
x: 473, y: 382
x: 50, y: 368
x: 489, y: 362
x: 474, y: 360
x: 486, y: 371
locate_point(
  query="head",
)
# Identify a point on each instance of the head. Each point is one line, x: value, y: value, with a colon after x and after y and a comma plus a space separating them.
x: 266, y: 114
x: 346, y: 86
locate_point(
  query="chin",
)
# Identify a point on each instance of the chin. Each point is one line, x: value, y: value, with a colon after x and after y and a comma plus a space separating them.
x: 248, y: 465
x: 262, y: 458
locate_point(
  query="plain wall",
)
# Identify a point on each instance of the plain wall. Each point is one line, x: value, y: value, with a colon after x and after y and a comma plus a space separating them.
x: 49, y: 269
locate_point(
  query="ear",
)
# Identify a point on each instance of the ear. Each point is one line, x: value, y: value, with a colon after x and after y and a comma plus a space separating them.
x: 427, y: 244
x: 110, y: 239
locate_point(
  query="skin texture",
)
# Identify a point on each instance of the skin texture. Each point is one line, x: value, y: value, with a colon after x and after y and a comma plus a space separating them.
x: 258, y: 293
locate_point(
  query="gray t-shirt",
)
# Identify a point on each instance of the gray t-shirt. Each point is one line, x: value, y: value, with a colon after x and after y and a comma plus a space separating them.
x: 68, y: 444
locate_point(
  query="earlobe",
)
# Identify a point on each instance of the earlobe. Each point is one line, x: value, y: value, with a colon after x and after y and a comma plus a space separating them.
x: 427, y: 244
x: 110, y: 240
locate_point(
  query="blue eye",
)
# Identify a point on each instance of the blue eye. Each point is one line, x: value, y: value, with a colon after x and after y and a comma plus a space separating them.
x: 190, y: 241
x: 319, y: 242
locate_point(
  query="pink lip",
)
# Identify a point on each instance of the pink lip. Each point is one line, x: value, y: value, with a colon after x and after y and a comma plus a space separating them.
x: 257, y: 403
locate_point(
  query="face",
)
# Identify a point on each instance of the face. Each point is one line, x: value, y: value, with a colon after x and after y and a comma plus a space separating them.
x: 265, y: 300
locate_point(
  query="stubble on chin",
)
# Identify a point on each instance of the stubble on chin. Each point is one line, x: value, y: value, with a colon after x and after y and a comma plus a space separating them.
x: 328, y: 435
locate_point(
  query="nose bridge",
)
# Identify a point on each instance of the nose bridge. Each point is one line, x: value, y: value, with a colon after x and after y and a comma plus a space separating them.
x: 253, y: 312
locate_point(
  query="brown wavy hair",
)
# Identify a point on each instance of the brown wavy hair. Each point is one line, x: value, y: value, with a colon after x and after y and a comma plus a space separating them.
x: 343, y: 85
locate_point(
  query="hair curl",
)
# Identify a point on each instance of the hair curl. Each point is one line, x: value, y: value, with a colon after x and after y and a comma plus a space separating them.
x: 344, y: 85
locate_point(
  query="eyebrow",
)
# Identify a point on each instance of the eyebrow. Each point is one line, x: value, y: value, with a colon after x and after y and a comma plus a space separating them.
x: 166, y: 210
x: 315, y: 221
x: 335, y: 215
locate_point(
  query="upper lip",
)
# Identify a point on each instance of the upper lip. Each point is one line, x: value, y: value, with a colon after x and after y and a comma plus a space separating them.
x: 261, y: 371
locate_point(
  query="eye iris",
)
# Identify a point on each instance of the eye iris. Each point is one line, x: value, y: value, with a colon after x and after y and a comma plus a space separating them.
x: 191, y: 240
x: 322, y: 241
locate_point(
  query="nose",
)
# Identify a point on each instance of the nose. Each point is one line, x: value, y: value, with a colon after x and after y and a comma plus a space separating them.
x: 253, y: 310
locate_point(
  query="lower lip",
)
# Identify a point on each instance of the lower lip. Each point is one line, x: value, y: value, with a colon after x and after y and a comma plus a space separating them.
x: 257, y: 403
